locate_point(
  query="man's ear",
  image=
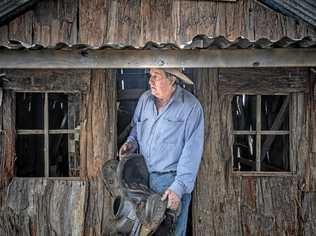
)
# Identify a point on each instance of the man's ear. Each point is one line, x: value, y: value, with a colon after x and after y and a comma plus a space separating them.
x: 173, y: 81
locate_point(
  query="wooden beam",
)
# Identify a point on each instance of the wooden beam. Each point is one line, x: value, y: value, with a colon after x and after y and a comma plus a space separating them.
x: 112, y: 58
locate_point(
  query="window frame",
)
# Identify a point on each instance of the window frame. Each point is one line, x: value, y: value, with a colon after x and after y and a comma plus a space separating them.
x: 258, y: 133
x: 46, y: 131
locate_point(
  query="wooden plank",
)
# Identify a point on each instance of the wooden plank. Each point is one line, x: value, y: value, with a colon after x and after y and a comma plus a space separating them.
x: 187, y: 20
x: 55, y: 21
x: 4, y: 35
x: 21, y: 28
x: 47, y: 80
x: 129, y: 22
x: 211, y: 210
x: 312, y: 86
x: 7, y: 164
x: 153, y: 29
x: 215, y: 58
x: 92, y: 25
x: 299, y: 141
x: 263, y: 81
x: 268, y: 206
x: 267, y: 23
x: 97, y: 145
x: 265, y: 132
x: 308, y: 213
x: 34, y: 203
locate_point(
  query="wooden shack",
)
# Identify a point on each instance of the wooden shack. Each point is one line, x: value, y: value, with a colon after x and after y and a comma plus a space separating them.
x: 244, y: 58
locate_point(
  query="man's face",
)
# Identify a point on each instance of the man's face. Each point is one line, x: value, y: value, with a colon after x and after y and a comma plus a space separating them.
x: 160, y: 86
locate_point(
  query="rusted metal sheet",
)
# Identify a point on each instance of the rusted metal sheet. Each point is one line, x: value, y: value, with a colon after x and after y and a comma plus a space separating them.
x: 11, y: 9
x: 302, y: 9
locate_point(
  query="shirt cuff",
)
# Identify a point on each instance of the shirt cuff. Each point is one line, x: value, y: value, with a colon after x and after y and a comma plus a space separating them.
x: 178, y: 188
x: 132, y: 140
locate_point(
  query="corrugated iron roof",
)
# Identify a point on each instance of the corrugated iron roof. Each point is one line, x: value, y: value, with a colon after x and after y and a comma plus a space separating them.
x: 198, y: 42
x: 302, y: 9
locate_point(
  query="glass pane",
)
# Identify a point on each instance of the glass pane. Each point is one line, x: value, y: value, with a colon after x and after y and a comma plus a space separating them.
x: 30, y: 156
x: 275, y: 112
x: 63, y: 155
x: 244, y: 151
x: 275, y: 153
x: 63, y: 110
x: 244, y: 112
x: 30, y: 110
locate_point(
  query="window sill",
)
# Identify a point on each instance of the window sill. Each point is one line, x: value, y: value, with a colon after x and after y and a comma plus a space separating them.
x: 50, y: 178
x: 263, y: 173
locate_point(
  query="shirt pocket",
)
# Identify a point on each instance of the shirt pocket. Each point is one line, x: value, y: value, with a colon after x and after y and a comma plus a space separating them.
x: 172, y: 130
x: 141, y: 128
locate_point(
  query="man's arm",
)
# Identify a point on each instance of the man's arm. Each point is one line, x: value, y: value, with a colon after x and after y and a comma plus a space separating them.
x: 190, y: 159
x: 131, y: 143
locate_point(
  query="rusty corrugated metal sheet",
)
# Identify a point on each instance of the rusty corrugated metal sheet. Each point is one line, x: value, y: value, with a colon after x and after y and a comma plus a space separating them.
x: 13, y: 8
x: 198, y: 42
x: 299, y: 9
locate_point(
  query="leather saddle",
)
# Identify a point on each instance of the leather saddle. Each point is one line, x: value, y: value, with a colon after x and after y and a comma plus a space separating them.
x: 137, y: 210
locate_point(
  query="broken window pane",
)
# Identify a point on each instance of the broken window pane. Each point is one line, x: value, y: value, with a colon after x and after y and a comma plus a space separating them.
x: 275, y: 153
x: 275, y: 112
x: 244, y: 152
x: 63, y: 155
x: 30, y: 110
x: 30, y: 155
x: 58, y: 155
x: 244, y: 112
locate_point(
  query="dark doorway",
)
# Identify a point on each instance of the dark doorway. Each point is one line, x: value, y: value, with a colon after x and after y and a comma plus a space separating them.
x: 131, y: 83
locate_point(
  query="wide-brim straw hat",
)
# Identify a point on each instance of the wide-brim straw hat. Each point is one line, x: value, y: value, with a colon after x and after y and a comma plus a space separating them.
x: 178, y: 74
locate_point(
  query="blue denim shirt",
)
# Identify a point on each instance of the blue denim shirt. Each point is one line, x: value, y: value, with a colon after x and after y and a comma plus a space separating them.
x: 171, y: 140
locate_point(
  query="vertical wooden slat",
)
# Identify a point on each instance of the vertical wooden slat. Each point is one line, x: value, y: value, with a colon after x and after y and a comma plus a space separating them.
x: 7, y: 163
x: 258, y: 136
x: 153, y: 29
x: 97, y: 145
x: 46, y: 136
x: 92, y: 22
x: 312, y: 85
x: 55, y: 21
x: 4, y: 34
x: 215, y: 200
x: 21, y: 28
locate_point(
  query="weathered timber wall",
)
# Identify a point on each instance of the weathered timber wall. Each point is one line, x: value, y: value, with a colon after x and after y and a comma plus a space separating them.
x: 226, y: 203
x: 73, y: 206
x: 223, y: 204
x: 137, y: 22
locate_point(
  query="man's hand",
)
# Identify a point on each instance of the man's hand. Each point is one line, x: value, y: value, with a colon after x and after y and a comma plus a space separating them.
x: 173, y: 199
x: 127, y: 148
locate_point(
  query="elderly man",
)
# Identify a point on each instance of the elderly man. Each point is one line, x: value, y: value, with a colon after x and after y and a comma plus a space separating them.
x: 168, y: 130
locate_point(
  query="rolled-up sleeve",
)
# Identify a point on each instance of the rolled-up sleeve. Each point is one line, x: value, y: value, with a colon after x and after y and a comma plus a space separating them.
x: 191, y: 155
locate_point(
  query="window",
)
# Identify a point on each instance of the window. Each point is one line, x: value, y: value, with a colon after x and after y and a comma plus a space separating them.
x: 261, y: 133
x: 47, y: 126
